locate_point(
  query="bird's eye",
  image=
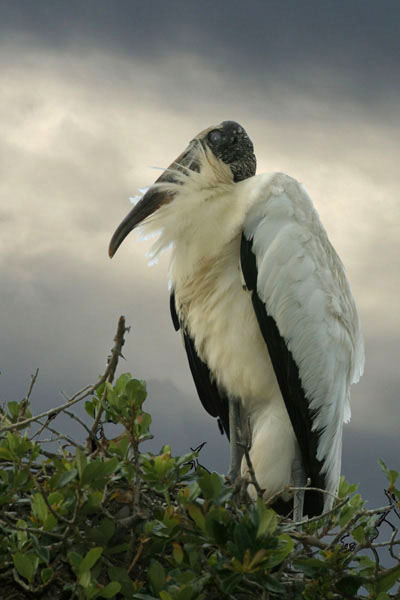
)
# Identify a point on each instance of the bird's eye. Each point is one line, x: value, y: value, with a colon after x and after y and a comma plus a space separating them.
x: 215, y: 136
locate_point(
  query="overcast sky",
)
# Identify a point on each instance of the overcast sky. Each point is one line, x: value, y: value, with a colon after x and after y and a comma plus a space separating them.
x: 95, y: 93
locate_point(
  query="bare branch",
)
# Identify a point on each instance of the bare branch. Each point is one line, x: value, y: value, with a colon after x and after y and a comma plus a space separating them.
x: 308, y: 540
x: 88, y: 390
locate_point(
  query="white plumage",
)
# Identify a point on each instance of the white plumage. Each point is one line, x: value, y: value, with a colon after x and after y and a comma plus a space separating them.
x: 216, y: 216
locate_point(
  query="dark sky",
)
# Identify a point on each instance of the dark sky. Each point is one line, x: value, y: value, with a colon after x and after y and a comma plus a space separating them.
x: 358, y: 36
x: 94, y: 93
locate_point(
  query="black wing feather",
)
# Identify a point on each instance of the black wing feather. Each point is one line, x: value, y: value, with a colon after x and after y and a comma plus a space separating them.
x: 287, y: 374
x: 212, y: 398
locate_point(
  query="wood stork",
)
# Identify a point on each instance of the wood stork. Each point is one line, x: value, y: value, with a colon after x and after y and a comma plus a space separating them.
x: 264, y: 307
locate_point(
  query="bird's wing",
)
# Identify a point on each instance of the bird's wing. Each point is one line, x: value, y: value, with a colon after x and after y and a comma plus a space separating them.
x: 214, y: 401
x: 307, y: 317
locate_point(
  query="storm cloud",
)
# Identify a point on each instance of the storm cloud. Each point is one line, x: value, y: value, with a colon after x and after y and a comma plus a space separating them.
x: 94, y: 94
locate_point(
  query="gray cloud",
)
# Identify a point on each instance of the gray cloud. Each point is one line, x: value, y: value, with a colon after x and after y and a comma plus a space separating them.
x: 359, y: 39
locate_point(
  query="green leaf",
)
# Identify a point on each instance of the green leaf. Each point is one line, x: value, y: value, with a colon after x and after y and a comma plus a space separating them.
x: 120, y: 384
x: 21, y: 478
x: 103, y: 532
x: 90, y: 408
x: 388, y: 579
x: 22, y: 536
x: 211, y: 485
x: 349, y: 585
x: 383, y: 466
x: 93, y: 503
x: 177, y: 552
x: 55, y: 499
x: 143, y: 421
x: 84, y: 579
x: 13, y: 441
x: 118, y: 573
x: 75, y: 560
x: 107, y: 529
x: 136, y: 390
x: 96, y: 471
x: 5, y: 454
x: 274, y: 586
x: 312, y: 567
x: 277, y: 555
x: 109, y: 466
x: 50, y: 522
x: 268, y: 519
x: 350, y: 509
x: 117, y: 549
x: 110, y: 590
x: 196, y: 514
x: 90, y: 559
x: 80, y: 461
x: 39, y: 507
x: 390, y: 474
x: 346, y: 488
x: 42, y: 551
x: 186, y: 592
x: 46, y: 574
x: 156, y: 575
x: 120, y: 447
x: 26, y: 564
x: 359, y: 534
x: 215, y: 525
x: 13, y: 408
x: 67, y: 477
x: 91, y: 472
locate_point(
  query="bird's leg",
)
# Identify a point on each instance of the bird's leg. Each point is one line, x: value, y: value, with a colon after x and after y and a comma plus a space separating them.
x: 299, y: 480
x: 235, y: 439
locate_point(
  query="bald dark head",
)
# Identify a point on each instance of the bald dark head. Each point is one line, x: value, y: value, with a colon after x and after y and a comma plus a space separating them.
x: 230, y: 143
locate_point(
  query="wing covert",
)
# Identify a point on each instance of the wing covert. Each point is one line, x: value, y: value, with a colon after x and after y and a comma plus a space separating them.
x: 287, y: 374
x: 307, y: 317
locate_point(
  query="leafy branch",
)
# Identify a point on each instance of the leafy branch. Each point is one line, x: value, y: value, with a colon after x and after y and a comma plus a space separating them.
x: 107, y: 520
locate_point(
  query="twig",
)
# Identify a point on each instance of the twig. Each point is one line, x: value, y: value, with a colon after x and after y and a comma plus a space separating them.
x: 60, y: 436
x: 116, y: 354
x: 362, y: 513
x: 112, y: 364
x: 77, y: 419
x: 138, y: 553
x: 25, y: 401
x: 288, y: 489
x: 88, y: 390
x: 308, y: 540
x: 324, y: 515
x: 57, y: 515
x: 35, y: 530
x: 52, y: 412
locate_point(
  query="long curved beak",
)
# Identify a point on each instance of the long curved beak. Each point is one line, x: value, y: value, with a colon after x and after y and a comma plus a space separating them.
x: 155, y: 197
x: 151, y: 201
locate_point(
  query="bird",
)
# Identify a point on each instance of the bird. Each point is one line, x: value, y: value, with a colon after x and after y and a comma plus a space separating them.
x: 265, y: 311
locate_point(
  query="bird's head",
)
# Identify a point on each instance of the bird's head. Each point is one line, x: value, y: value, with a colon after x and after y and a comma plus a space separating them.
x: 226, y: 145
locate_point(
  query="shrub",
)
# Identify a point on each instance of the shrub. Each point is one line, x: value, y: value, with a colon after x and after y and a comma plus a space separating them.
x: 106, y: 520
